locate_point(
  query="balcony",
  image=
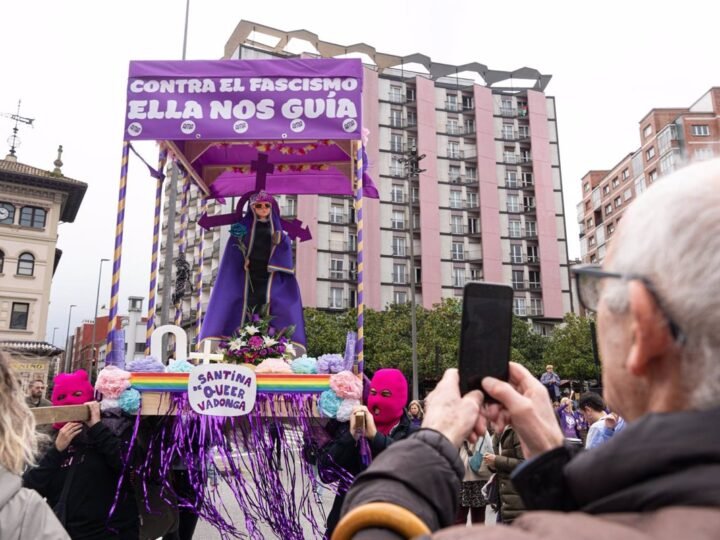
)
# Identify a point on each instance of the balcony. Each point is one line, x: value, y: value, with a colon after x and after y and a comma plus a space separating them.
x: 472, y: 204
x: 398, y: 225
x: 469, y: 130
x: 339, y: 218
x: 397, y: 98
x: 453, y: 129
x: 459, y: 255
x: 342, y: 247
x: 513, y: 208
x: 526, y: 285
x: 462, y: 179
x: 337, y: 303
x: 412, y: 122
x: 529, y: 208
x: 517, y: 159
x: 470, y: 154
x: 455, y: 154
x: 399, y: 278
x: 509, y: 135
x: 535, y: 311
x: 508, y: 112
x: 533, y: 259
x: 459, y: 282
x: 458, y: 229
x: 288, y: 211
x: 399, y: 251
x: 453, y: 106
x: 398, y: 198
x: 474, y: 257
x: 338, y: 274
x: 398, y: 122
x: 397, y: 172
x: 468, y: 106
x: 398, y: 148
x: 523, y: 134
x: 456, y: 204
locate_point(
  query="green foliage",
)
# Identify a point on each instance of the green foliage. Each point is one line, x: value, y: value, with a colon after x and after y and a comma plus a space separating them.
x: 569, y: 349
x: 326, y: 332
x: 528, y: 346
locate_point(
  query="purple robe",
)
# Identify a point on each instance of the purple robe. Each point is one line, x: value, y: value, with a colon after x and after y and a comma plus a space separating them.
x: 227, y: 310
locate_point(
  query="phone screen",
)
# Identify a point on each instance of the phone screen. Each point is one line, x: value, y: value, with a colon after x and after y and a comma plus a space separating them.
x: 485, y: 334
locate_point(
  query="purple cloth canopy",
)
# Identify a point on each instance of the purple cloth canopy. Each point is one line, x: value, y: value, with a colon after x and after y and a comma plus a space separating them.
x: 227, y: 310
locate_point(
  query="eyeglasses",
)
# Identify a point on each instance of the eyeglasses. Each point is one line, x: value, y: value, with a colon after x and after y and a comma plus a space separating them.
x: 262, y: 205
x: 589, y: 278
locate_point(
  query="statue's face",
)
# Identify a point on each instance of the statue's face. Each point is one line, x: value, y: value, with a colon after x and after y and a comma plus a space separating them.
x: 262, y: 209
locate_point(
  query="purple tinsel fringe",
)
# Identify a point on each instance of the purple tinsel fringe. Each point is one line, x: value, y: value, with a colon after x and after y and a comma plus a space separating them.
x: 243, y: 448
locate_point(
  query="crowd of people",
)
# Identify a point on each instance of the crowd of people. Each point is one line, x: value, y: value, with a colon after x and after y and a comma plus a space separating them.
x: 650, y: 466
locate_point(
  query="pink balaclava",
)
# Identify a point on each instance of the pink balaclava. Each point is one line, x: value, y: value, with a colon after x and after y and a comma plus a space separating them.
x: 71, y: 389
x: 388, y: 396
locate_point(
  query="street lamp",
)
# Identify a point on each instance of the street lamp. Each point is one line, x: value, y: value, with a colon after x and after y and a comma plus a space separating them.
x: 67, y: 339
x: 412, y: 162
x: 97, y: 301
x: 53, y: 338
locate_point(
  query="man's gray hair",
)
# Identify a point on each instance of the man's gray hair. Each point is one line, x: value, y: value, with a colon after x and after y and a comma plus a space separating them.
x: 671, y: 235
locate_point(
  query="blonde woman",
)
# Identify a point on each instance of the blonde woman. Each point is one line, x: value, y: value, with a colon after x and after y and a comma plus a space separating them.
x: 24, y: 515
x: 416, y: 413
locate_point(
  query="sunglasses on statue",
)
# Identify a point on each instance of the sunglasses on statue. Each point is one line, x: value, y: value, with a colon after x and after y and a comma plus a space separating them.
x: 262, y: 205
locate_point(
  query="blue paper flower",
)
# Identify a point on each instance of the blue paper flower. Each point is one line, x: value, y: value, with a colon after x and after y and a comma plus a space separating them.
x: 304, y: 364
x: 329, y: 403
x: 129, y: 401
x: 180, y: 366
x: 238, y: 230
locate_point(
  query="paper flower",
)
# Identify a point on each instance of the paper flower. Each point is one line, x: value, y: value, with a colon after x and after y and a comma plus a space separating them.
x: 109, y: 403
x: 331, y: 363
x: 147, y: 364
x: 251, y: 329
x: 346, y: 385
x: 273, y: 365
x: 269, y: 342
x: 346, y: 409
x: 180, y: 366
x: 328, y: 404
x: 112, y: 381
x: 129, y: 401
x: 304, y: 364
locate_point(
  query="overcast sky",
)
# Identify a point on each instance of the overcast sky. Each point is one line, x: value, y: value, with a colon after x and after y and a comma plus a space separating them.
x: 67, y: 60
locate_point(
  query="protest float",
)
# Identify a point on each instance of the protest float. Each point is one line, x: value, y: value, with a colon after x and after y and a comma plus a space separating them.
x: 247, y: 130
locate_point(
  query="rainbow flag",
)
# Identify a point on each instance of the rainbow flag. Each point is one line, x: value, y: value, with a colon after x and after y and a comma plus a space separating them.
x: 273, y: 383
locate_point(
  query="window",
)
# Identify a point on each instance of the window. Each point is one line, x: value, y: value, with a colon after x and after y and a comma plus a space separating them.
x: 400, y: 297
x: 475, y: 274
x: 615, y: 182
x: 468, y: 102
x: 398, y: 219
x: 524, y: 132
x: 528, y: 203
x: 471, y: 173
x: 701, y: 130
x: 627, y: 194
x: 452, y: 126
x: 516, y: 256
x: 531, y: 228
x: 458, y: 251
x: 337, y: 214
x: 455, y: 199
x: 453, y: 149
x: 452, y: 102
x: 511, y: 179
x: 458, y: 277
x: 396, y: 95
x: 336, y: 269
x: 591, y: 241
x: 396, y: 142
x: 396, y: 118
x: 469, y: 126
x: 139, y: 348
x: 7, y: 213
x: 519, y: 307
x: 532, y: 254
x: 610, y: 229
x: 291, y: 206
x: 19, y: 316
x: 454, y: 173
x: 626, y: 174
x: 410, y: 94
x: 650, y: 153
x: 31, y: 216
x: 536, y: 307
x: 606, y: 189
x: 647, y: 131
x: 456, y: 225
x: 26, y: 264
x: 399, y: 273
x: 352, y: 266
x: 518, y: 277
x: 508, y: 131
x: 398, y: 194
x: 534, y: 280
x: 600, y: 235
x: 352, y: 242
x: 2, y: 261
x: 398, y: 246
x: 653, y: 176
x: 473, y: 226
x: 472, y: 199
x: 589, y: 223
x: 608, y: 209
x: 586, y: 187
x: 618, y: 202
x: 336, y: 298
x: 667, y: 163
x: 700, y: 155
x: 639, y: 185
x: 412, y: 119
x: 514, y: 229
x: 513, y: 203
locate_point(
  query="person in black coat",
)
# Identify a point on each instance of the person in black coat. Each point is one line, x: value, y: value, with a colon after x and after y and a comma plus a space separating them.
x: 79, y: 476
x: 386, y: 421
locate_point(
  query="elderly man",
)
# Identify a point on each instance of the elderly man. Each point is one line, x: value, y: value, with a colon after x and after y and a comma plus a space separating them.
x: 657, y: 300
x: 551, y: 381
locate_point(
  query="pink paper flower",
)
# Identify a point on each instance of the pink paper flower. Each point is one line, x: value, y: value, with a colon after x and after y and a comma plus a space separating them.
x: 346, y: 385
x: 112, y: 381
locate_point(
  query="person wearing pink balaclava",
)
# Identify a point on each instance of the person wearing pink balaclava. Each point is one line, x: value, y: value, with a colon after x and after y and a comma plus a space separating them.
x: 386, y: 422
x: 79, y: 473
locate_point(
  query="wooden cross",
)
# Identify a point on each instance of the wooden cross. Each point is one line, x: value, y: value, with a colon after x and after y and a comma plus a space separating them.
x: 206, y: 355
x: 261, y: 167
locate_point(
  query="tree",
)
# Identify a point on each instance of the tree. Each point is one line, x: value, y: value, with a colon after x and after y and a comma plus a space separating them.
x: 326, y: 332
x: 569, y: 349
x: 528, y: 345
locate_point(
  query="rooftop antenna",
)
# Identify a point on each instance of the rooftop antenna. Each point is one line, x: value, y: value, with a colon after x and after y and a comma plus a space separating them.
x: 14, y: 141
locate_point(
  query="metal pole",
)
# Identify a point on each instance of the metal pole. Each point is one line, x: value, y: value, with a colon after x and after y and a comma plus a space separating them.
x: 97, y: 302
x: 66, y: 367
x: 413, y: 321
x: 53, y: 338
x: 187, y: 17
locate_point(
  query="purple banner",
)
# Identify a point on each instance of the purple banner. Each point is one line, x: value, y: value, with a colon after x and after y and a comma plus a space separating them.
x: 244, y: 99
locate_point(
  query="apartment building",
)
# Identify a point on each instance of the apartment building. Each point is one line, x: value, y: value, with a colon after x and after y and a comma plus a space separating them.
x: 668, y: 138
x: 487, y: 207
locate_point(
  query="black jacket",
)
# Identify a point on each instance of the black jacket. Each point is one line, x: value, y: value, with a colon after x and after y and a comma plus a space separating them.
x: 95, y: 455
x: 660, y: 461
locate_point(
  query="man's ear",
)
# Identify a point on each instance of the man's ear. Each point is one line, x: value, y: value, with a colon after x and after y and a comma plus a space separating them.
x: 649, y: 329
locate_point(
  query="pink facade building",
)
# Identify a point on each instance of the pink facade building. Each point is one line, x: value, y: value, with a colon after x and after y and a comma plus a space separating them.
x: 488, y: 206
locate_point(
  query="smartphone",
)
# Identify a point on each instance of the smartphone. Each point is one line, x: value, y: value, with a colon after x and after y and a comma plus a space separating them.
x: 485, y: 334
x: 360, y: 421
